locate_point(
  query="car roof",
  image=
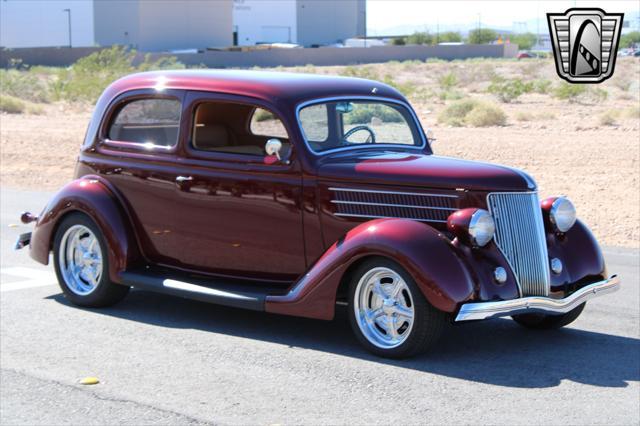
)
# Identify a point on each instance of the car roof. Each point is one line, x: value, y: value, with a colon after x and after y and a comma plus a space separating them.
x: 271, y: 86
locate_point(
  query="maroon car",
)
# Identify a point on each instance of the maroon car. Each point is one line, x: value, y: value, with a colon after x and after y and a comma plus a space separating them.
x: 293, y: 193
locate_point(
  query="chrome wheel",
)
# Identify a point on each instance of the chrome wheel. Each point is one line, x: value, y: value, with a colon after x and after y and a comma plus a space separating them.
x: 383, y: 308
x: 80, y: 260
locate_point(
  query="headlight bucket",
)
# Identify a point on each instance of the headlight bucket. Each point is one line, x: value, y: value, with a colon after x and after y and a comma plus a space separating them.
x: 472, y: 226
x: 560, y: 213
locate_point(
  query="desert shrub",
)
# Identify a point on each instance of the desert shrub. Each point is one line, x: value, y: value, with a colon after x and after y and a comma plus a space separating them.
x: 450, y: 95
x: 524, y: 116
x: 456, y: 113
x: 482, y: 36
x: 89, y: 76
x: 569, y: 92
x: 364, y: 114
x: 449, y: 37
x: 485, y: 115
x: 407, y: 88
x: 360, y: 72
x: 263, y: 115
x: 541, y: 85
x: 27, y: 85
x: 608, y: 118
x: 629, y: 39
x: 508, y: 90
x: 473, y: 113
x: 448, y: 81
x: 633, y: 112
x: 11, y: 105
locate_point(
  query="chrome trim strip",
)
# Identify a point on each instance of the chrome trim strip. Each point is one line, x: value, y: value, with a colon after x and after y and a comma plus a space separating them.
x: 375, y: 191
x: 387, y: 217
x: 537, y: 304
x: 363, y: 98
x: 360, y: 203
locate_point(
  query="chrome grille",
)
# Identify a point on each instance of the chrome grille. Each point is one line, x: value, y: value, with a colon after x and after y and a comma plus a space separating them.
x: 520, y: 235
x: 382, y: 204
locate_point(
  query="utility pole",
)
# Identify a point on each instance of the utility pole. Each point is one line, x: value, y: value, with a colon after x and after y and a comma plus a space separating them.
x: 69, y: 20
x: 479, y: 28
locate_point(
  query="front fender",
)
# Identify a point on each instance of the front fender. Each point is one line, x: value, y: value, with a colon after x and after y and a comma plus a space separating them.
x: 431, y: 259
x: 93, y: 197
x: 580, y: 254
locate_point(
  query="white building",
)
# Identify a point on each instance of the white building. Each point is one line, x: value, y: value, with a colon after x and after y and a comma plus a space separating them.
x: 304, y: 22
x: 159, y: 25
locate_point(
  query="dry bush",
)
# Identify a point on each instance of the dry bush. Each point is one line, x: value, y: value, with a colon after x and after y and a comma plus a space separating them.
x: 486, y: 115
x: 530, y: 116
x: 608, y: 118
x: 12, y: 105
x: 473, y: 113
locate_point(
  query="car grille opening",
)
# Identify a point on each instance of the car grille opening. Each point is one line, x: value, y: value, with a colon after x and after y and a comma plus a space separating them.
x: 383, y: 204
x: 521, y: 238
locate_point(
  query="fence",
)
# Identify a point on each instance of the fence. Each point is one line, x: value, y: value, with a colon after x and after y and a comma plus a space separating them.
x: 61, y: 56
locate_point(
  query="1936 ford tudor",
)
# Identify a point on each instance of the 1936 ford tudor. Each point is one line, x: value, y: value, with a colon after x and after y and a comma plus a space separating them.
x: 292, y: 193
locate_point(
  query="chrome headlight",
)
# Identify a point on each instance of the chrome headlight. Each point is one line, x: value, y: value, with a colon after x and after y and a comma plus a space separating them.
x: 562, y: 214
x: 481, y: 227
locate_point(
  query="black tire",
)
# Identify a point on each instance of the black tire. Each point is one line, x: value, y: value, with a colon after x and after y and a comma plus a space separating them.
x: 548, y: 322
x: 428, y: 323
x: 106, y: 293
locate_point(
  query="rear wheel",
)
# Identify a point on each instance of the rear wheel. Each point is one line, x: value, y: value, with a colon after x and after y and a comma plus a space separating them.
x: 388, y: 313
x: 548, y: 322
x: 81, y: 263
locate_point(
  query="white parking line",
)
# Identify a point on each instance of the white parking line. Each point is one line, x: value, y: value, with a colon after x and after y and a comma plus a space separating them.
x: 34, y: 278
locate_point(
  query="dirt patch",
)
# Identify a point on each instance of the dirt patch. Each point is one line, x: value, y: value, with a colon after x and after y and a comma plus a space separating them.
x: 562, y: 145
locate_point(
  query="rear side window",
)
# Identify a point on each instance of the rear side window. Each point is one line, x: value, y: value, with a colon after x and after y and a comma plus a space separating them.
x: 264, y: 123
x: 149, y: 122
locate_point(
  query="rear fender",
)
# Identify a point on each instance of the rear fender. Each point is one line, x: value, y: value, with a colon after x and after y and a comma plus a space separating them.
x: 92, y: 196
x: 430, y: 258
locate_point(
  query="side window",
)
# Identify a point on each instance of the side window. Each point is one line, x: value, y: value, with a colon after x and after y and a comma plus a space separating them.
x: 235, y: 128
x: 149, y: 122
x: 314, y: 121
x: 264, y: 123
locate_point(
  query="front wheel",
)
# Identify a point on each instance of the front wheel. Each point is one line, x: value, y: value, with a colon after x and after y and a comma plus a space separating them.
x: 388, y: 313
x: 82, y: 265
x: 548, y: 322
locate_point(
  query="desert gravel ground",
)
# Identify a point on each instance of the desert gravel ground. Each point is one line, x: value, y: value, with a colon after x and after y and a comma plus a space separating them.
x: 567, y: 151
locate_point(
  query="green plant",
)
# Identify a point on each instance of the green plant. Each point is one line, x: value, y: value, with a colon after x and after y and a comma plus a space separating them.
x: 633, y: 112
x: 530, y: 116
x: 363, y: 113
x: 482, y: 36
x: 449, y: 37
x: 11, y: 105
x: 27, y: 85
x: 525, y: 41
x: 455, y: 114
x: 420, y: 38
x: 509, y: 90
x: 406, y: 88
x: 485, y: 115
x: 448, y: 81
x: 569, y: 92
x: 629, y: 39
x: 541, y: 85
x: 398, y: 41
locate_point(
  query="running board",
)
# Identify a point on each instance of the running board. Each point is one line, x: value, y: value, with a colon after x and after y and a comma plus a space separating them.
x: 246, y: 296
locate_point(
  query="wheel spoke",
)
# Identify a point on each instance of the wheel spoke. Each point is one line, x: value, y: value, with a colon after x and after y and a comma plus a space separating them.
x: 374, y: 314
x: 403, y: 311
x: 392, y: 326
x: 378, y: 290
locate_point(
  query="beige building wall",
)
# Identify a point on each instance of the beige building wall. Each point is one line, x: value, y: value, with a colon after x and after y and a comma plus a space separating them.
x: 330, y: 21
x: 160, y: 25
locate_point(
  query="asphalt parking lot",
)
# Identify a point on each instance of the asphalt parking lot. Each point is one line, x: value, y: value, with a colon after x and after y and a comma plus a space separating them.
x: 163, y: 360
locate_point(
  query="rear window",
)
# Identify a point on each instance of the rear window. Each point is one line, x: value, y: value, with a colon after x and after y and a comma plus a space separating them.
x: 149, y: 122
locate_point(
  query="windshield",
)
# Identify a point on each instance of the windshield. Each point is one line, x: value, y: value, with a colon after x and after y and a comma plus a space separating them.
x: 338, y: 124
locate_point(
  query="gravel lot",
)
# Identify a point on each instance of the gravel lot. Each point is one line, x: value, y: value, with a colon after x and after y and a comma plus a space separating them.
x: 568, y: 152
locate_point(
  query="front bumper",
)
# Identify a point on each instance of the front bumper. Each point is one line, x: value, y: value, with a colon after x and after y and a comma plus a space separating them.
x: 537, y: 304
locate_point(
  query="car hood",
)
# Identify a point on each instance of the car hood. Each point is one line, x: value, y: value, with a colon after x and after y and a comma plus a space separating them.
x: 422, y: 169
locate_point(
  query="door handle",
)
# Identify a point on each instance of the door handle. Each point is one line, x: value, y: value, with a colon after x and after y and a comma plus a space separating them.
x: 182, y: 179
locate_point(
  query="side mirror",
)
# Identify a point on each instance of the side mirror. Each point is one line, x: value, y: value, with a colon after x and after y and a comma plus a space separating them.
x: 273, y: 147
x: 431, y: 137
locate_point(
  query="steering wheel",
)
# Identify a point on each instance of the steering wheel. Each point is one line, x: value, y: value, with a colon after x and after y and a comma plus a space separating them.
x: 370, y: 139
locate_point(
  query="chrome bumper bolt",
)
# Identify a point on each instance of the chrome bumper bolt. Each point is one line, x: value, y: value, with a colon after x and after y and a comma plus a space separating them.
x: 556, y: 265
x: 500, y: 275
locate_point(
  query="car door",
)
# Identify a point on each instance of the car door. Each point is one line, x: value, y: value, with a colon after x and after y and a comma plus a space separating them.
x: 136, y: 154
x: 240, y: 209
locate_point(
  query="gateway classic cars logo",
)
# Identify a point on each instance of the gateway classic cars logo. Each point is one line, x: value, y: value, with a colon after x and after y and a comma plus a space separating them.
x: 585, y: 42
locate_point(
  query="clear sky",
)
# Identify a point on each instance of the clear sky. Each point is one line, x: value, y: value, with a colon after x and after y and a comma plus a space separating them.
x: 383, y: 14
